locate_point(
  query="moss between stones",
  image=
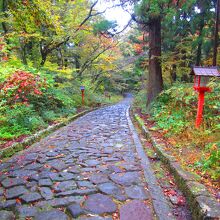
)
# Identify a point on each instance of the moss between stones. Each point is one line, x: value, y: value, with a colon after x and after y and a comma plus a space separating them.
x: 202, y: 204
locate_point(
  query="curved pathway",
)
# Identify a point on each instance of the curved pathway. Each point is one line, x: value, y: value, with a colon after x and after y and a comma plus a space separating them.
x: 93, y: 169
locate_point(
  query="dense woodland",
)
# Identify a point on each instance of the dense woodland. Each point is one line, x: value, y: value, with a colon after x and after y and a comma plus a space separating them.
x: 49, y: 48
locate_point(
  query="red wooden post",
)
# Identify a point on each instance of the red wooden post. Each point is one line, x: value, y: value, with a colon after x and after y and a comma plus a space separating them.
x: 82, y: 97
x: 200, y: 108
x: 202, y: 75
x: 82, y: 88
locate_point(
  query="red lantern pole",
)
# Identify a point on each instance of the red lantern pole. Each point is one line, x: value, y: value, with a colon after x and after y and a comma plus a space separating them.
x: 201, y: 102
x: 82, y: 88
x: 82, y: 96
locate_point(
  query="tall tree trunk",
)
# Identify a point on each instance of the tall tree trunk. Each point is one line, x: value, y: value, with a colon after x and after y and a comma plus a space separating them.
x: 199, y: 54
x: 23, y: 52
x: 183, y: 64
x: 216, y: 37
x: 43, y: 58
x: 77, y: 63
x: 173, y: 74
x: 200, y: 37
x: 60, y: 58
x: 43, y: 54
x: 4, y: 9
x: 155, y: 80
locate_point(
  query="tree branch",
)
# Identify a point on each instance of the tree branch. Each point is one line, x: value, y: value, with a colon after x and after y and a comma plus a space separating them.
x: 88, y: 16
x: 89, y: 62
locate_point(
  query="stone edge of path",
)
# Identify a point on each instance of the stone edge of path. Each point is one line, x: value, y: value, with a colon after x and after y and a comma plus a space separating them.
x: 201, y: 203
x: 160, y: 204
x: 19, y: 146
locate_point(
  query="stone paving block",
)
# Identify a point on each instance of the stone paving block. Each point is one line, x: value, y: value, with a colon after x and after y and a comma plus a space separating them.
x: 98, y: 178
x: 46, y: 193
x: 8, y: 204
x: 26, y: 211
x: 115, y: 169
x: 4, y: 166
x: 100, y: 204
x: 10, y: 182
x: 126, y: 179
x: 45, y: 182
x: 1, y: 191
x: 65, y: 185
x: 87, y: 184
x: 61, y: 202
x: 77, y: 192
x: 22, y: 173
x: 136, y: 192
x: 75, y: 210
x: 135, y: 210
x: 75, y: 170
x: 33, y: 166
x: 51, y: 215
x: 95, y: 218
x: 15, y: 192
x: 92, y: 163
x: 6, y: 215
x: 56, y: 177
x: 31, y: 197
x: 109, y: 188
x: 68, y: 176
x: 58, y: 165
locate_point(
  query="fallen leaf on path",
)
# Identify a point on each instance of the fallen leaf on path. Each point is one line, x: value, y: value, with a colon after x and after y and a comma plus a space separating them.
x: 18, y: 201
x: 181, y: 200
x: 170, y: 192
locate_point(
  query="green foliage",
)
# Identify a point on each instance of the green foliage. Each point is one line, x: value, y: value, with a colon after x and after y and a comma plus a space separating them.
x: 211, y: 164
x: 140, y: 100
x: 175, y: 112
x: 56, y: 99
x: 104, y: 26
x: 49, y: 116
x: 175, y: 109
x: 25, y: 117
x: 168, y: 109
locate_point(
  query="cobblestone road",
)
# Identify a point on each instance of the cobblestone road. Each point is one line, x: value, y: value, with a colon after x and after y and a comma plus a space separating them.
x: 87, y: 170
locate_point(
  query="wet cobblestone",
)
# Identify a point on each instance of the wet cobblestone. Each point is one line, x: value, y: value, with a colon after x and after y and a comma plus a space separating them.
x: 88, y: 167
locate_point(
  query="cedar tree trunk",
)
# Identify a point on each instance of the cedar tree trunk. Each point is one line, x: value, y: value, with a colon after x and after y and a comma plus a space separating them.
x: 216, y: 37
x: 155, y: 80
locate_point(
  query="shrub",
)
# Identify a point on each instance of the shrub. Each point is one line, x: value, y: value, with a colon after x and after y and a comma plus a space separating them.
x: 24, y: 117
x: 140, y: 100
x: 49, y: 116
x: 175, y: 108
x: 22, y: 85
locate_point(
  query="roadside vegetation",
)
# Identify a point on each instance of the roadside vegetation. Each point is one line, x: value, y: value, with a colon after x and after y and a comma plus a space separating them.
x: 189, y: 37
x: 172, y: 119
x: 32, y: 99
x: 48, y: 49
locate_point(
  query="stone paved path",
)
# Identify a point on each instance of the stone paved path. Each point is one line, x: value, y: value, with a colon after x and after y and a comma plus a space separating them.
x: 88, y: 169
